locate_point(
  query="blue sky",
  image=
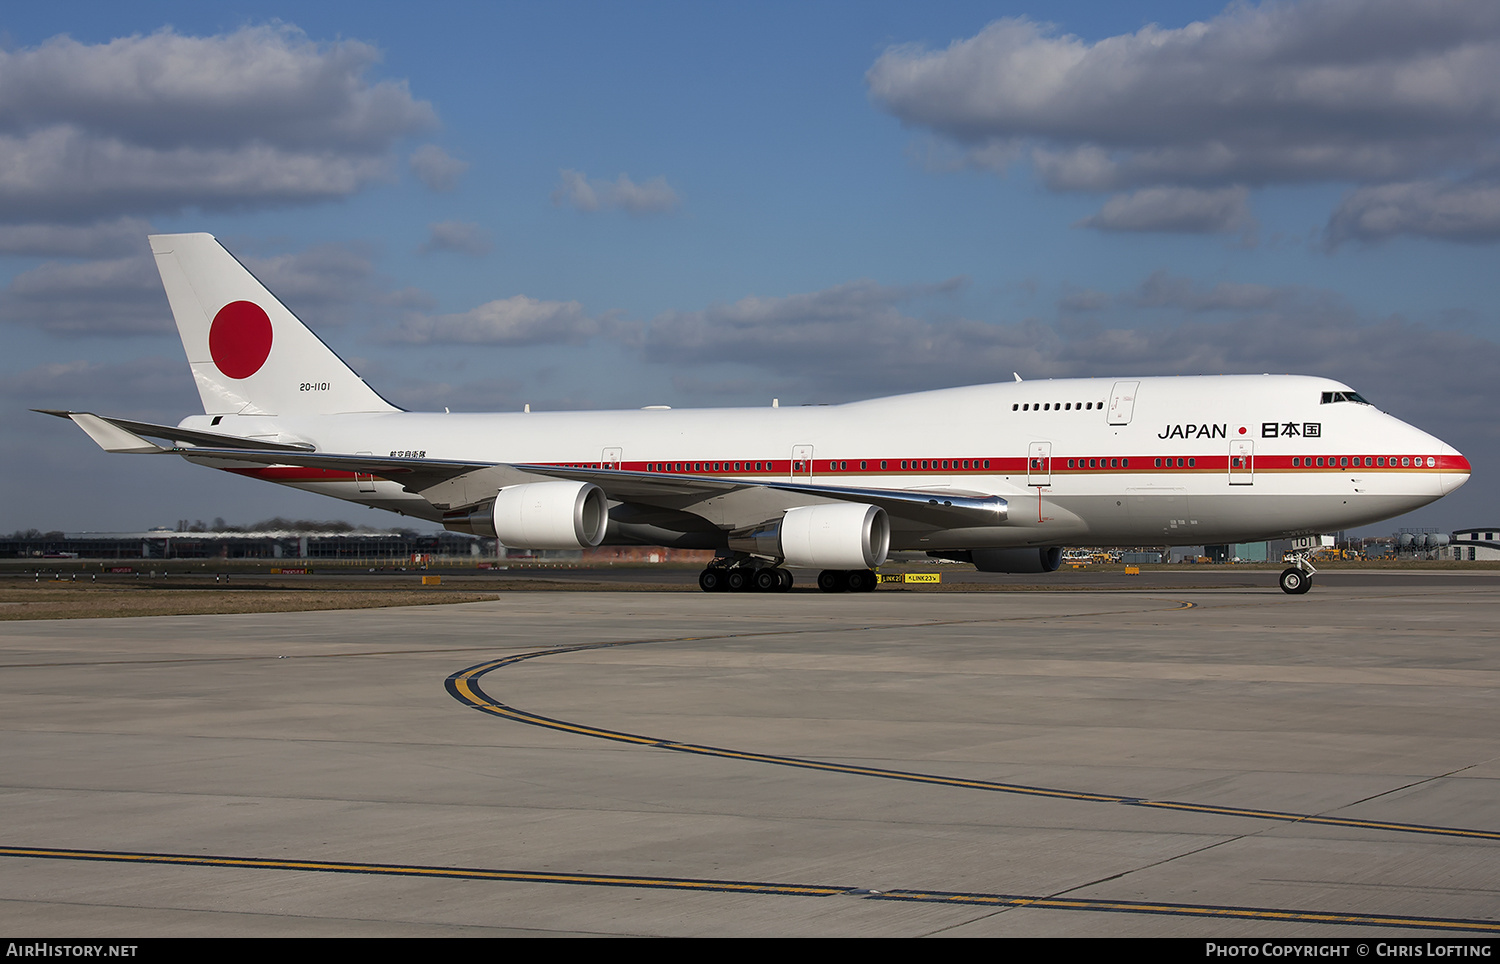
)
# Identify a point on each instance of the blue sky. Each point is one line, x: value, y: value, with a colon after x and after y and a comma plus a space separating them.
x: 597, y: 205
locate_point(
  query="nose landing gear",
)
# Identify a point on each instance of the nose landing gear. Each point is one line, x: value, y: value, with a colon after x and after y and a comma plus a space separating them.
x: 1295, y: 581
x: 1298, y: 579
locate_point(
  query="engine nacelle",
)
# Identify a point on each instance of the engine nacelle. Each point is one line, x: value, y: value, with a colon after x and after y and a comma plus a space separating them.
x: 1006, y: 560
x: 843, y: 536
x: 540, y: 515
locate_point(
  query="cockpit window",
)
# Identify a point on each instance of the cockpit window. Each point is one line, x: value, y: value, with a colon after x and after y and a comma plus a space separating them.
x: 1331, y: 397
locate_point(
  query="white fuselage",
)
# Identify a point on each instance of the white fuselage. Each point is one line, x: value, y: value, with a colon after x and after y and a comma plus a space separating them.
x: 1142, y: 461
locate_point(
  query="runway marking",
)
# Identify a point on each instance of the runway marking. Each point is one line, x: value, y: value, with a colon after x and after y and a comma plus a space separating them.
x: 417, y: 870
x: 464, y: 687
x: 765, y: 888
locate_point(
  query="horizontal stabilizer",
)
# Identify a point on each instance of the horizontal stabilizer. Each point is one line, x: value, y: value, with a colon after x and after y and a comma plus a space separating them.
x: 175, y: 434
x: 111, y: 437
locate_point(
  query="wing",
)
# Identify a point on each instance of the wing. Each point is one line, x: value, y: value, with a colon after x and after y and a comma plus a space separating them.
x: 939, y: 509
x: 455, y: 484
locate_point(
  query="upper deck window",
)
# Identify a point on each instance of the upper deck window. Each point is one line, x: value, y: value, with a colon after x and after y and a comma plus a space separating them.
x: 1330, y: 397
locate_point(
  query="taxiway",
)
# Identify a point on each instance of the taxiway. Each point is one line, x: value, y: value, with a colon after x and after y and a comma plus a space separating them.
x: 1225, y: 762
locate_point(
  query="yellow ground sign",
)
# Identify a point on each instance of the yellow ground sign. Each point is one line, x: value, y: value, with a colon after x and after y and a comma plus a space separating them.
x: 927, y: 578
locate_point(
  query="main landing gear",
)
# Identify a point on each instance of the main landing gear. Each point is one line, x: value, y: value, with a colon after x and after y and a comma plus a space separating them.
x: 748, y: 577
x: 1298, y: 579
x: 848, y: 580
x: 743, y: 578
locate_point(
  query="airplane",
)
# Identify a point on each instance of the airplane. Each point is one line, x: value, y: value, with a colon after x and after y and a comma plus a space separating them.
x: 1003, y: 475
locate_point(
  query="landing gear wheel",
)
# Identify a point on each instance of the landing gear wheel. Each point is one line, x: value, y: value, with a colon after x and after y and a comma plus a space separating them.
x: 831, y: 580
x: 766, y: 580
x: 860, y: 580
x: 1295, y: 582
x: 711, y: 580
x: 735, y: 580
x: 784, y: 580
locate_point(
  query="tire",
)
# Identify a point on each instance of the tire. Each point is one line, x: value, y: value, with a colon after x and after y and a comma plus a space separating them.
x: 766, y: 580
x: 1295, y: 582
x: 831, y: 580
x: 785, y: 580
x: 860, y: 580
x: 735, y: 580
x: 711, y: 580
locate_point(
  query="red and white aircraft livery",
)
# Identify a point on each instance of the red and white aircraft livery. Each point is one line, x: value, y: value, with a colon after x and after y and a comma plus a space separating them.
x: 1001, y: 475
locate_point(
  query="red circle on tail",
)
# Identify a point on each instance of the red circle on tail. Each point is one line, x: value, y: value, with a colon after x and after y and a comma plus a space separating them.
x: 240, y: 339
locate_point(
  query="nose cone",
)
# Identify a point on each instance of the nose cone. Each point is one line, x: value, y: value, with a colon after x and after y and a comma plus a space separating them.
x: 1454, y: 469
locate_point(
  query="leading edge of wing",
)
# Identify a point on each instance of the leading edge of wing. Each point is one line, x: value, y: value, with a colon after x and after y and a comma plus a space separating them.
x: 944, y: 509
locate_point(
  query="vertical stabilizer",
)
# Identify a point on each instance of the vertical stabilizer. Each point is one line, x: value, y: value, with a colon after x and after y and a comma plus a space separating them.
x: 249, y: 354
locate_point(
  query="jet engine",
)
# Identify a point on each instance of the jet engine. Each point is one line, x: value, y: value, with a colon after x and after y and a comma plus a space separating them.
x: 843, y: 536
x: 539, y: 515
x: 1006, y: 560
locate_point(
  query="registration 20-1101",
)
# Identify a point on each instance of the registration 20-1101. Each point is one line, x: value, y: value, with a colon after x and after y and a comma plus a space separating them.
x: 316, y: 386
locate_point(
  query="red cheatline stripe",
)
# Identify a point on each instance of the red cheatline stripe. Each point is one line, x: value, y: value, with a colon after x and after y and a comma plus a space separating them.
x: 1106, y: 465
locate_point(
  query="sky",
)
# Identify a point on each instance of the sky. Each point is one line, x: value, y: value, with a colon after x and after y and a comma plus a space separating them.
x: 591, y: 205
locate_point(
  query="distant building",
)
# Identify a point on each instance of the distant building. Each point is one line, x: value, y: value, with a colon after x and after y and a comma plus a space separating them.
x: 1250, y: 552
x: 165, y: 544
x: 1472, y: 545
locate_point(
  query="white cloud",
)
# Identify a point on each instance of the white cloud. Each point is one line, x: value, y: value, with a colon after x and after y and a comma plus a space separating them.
x: 461, y: 237
x: 1468, y: 211
x: 655, y: 196
x: 328, y: 284
x: 106, y: 238
x: 1162, y: 290
x: 1178, y: 209
x: 160, y: 385
x: 157, y: 123
x: 436, y: 168
x: 114, y: 296
x: 509, y: 321
x: 1365, y: 91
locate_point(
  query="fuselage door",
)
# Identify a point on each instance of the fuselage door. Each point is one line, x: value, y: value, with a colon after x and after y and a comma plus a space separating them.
x: 1241, y: 462
x: 1122, y: 402
x: 1039, y: 464
x: 802, y: 462
x: 611, y: 458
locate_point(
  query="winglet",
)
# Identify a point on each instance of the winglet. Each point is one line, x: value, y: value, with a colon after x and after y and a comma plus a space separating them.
x: 111, y: 437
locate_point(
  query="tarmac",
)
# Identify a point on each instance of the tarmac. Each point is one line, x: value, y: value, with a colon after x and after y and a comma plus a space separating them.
x: 1218, y: 763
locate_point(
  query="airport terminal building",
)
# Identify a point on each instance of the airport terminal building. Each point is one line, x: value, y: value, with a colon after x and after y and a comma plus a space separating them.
x: 1472, y: 545
x: 166, y: 544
